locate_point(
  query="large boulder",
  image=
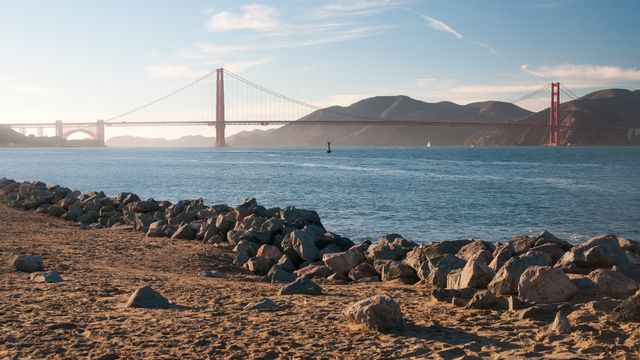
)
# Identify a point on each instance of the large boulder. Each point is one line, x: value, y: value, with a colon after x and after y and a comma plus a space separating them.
x: 315, y: 270
x: 628, y: 310
x: 475, y: 274
x: 439, y: 272
x: 304, y: 243
x: 363, y: 271
x: 270, y: 252
x: 478, y: 250
x: 302, y: 285
x: 545, y: 284
x: 602, y: 251
x: 278, y: 275
x: 613, y: 283
x: 342, y: 262
x: 484, y: 300
x: 555, y: 251
x: 505, y: 282
x: 384, y: 251
x: 299, y: 218
x: 501, y: 255
x: 146, y: 297
x: 380, y: 313
x: 259, y: 265
x: 27, y: 263
x: 392, y: 270
x: 184, y: 232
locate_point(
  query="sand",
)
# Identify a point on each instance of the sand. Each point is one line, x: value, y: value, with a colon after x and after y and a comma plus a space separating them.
x: 85, y: 317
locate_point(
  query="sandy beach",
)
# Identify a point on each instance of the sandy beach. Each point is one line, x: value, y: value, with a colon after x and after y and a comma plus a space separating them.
x: 85, y: 317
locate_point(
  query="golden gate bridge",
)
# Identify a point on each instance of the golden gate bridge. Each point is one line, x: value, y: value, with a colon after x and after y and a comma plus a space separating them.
x: 252, y: 104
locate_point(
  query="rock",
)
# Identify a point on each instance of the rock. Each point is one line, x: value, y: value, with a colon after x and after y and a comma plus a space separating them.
x: 56, y: 210
x: 628, y: 245
x: 484, y: 300
x: 369, y: 279
x: 27, y: 263
x: 451, y: 247
x: 560, y: 324
x: 264, y: 304
x: 613, y: 283
x: 341, y: 263
x: 213, y: 274
x: 501, y: 255
x: 505, y: 282
x: 393, y: 270
x: 302, y: 285
x: 364, y: 270
x: 46, y: 277
x: 628, y: 310
x: 145, y: 206
x: 555, y: 251
x: 225, y: 222
x: 338, y: 278
x: 521, y: 244
x: 447, y: 295
x: 270, y: 252
x: 602, y: 251
x: 476, y: 274
x: 477, y: 250
x: 184, y: 232
x: 146, y: 297
x: 89, y: 217
x: 438, y: 272
x: 544, y: 284
x: 279, y: 276
x: 315, y: 270
x: 258, y: 265
x: 381, y: 313
x: 548, y: 238
x: 286, y: 264
x: 384, y: 251
x: 299, y: 218
x: 304, y: 244
x: 241, y: 258
x: 328, y: 250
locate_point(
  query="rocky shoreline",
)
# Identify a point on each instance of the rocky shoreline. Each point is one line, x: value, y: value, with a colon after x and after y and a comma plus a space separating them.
x: 527, y: 276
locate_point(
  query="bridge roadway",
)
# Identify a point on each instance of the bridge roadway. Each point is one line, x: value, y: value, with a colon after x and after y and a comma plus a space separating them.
x: 291, y: 122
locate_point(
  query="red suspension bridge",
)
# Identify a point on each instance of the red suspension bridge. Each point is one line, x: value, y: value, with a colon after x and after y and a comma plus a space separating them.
x: 205, y: 102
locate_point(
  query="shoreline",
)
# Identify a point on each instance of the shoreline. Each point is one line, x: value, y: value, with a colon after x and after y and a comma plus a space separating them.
x: 458, y: 298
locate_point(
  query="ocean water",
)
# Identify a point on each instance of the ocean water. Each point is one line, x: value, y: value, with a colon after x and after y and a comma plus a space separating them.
x: 425, y: 194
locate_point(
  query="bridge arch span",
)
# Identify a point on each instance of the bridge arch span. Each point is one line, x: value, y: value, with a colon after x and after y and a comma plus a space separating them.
x: 83, y: 131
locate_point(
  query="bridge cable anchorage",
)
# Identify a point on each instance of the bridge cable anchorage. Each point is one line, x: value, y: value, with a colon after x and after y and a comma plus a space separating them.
x: 202, y: 78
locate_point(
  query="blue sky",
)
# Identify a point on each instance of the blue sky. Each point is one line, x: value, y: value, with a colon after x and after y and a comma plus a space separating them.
x: 85, y: 60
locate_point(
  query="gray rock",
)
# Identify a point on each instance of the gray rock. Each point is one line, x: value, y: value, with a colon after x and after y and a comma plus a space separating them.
x: 146, y: 297
x: 505, y: 282
x: 364, y: 270
x: 439, y: 272
x: 393, y: 270
x: 384, y: 251
x: 628, y: 310
x: 258, y: 265
x: 46, y: 277
x: 89, y: 217
x: 27, y: 263
x: 381, y: 313
x: 315, y: 270
x: 548, y: 238
x: 225, y: 222
x: 341, y: 263
x: 484, y: 300
x: 299, y: 218
x: 501, y: 255
x: 560, y: 324
x: 476, y: 274
x: 305, y: 245
x: 303, y: 286
x: 264, y: 304
x: 286, y: 264
x: 602, y: 251
x: 184, y: 232
x: 544, y: 284
x: 613, y: 283
x: 555, y: 251
x: 279, y: 276
x: 447, y: 295
x: 270, y: 252
x: 477, y: 250
x: 56, y: 210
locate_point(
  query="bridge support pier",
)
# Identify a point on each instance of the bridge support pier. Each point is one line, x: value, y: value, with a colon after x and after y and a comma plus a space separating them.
x: 554, y: 114
x: 59, y: 129
x: 220, y: 140
x: 100, y: 132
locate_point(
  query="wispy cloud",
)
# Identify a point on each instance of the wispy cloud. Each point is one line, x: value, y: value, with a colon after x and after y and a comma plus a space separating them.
x: 441, y: 26
x: 584, y: 72
x: 485, y: 46
x: 252, y: 17
x: 355, y: 8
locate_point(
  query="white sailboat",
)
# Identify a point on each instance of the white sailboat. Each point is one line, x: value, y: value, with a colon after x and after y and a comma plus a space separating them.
x: 428, y: 143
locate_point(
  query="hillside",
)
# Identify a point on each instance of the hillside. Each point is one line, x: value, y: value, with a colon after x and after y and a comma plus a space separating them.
x: 601, y: 118
x: 384, y: 108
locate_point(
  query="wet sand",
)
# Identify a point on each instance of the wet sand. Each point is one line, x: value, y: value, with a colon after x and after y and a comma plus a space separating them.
x: 85, y: 317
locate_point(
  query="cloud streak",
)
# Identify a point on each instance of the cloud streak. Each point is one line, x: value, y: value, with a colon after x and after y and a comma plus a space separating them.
x: 583, y: 72
x: 441, y: 26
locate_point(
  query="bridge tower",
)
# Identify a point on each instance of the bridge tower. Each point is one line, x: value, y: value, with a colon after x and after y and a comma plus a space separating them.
x: 59, y: 129
x: 100, y: 132
x: 220, y: 140
x: 554, y: 114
